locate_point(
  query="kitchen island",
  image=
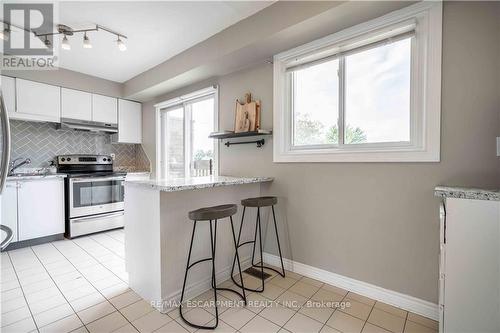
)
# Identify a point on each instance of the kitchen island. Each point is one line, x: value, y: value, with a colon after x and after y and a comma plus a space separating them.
x: 158, y: 232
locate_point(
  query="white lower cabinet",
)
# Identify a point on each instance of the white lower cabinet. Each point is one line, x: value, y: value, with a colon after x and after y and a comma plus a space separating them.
x: 34, y: 208
x: 469, y: 271
x: 9, y: 208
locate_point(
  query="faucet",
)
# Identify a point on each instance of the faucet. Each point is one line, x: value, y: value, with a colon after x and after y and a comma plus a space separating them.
x: 14, y: 166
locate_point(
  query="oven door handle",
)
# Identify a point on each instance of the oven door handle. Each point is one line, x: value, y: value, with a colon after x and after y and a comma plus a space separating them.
x: 95, y: 179
x: 100, y: 217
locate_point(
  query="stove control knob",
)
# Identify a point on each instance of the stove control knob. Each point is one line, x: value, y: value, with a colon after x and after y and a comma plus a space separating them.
x: 69, y: 159
x: 63, y: 159
x: 104, y: 159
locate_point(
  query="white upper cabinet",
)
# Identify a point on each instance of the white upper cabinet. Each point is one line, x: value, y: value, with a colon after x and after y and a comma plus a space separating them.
x: 76, y: 104
x: 37, y: 101
x: 8, y: 86
x: 129, y: 122
x: 104, y: 109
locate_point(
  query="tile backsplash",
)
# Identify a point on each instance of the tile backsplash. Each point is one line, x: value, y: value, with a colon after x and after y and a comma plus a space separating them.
x: 42, y: 142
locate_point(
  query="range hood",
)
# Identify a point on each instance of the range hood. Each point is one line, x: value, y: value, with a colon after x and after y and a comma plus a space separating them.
x: 87, y: 126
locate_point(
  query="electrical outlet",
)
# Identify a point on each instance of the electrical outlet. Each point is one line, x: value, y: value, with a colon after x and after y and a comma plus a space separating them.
x: 112, y: 156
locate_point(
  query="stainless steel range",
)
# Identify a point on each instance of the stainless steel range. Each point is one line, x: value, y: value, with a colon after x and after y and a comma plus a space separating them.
x: 93, y: 194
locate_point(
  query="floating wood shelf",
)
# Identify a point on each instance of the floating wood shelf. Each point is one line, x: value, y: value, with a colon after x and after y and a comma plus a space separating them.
x: 222, y: 136
x: 237, y: 135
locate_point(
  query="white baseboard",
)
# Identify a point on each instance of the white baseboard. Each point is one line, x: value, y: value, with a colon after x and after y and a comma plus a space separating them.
x: 406, y: 302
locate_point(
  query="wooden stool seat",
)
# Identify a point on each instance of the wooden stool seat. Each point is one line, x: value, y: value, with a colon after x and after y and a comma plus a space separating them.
x: 213, y: 213
x: 259, y: 202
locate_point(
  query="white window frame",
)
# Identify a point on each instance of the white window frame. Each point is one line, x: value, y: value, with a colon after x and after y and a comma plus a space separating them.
x: 425, y: 96
x: 161, y: 155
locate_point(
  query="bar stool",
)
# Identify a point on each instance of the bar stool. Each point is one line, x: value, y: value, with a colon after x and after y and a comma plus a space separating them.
x: 258, y: 202
x: 211, y: 214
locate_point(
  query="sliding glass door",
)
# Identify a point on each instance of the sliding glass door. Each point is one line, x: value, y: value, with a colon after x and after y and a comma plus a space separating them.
x: 186, y: 149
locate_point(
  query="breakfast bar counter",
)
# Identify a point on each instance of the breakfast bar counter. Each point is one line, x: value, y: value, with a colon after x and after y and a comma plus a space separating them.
x: 158, y: 233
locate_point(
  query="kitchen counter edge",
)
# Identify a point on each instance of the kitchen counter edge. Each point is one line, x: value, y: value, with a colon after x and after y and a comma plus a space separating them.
x: 36, y: 177
x: 466, y: 193
x: 201, y: 183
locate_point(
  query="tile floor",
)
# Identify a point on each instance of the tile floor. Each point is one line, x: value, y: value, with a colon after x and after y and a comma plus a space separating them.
x: 80, y: 285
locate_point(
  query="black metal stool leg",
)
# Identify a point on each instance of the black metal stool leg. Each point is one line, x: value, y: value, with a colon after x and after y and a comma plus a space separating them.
x: 239, y: 237
x: 211, y: 214
x: 213, y: 242
x: 260, y: 246
x: 254, y: 242
x: 279, y: 249
x: 243, y: 296
x: 278, y: 241
x: 188, y: 266
x: 214, y: 285
x: 255, y: 236
x: 258, y: 231
x: 239, y: 263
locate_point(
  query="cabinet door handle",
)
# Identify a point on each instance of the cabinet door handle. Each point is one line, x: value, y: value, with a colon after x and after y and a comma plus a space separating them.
x: 95, y: 218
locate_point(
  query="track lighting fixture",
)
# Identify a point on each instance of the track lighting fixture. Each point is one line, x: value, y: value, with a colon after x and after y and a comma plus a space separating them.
x: 5, y: 33
x: 47, y: 42
x: 65, y: 31
x: 86, y: 42
x: 65, y: 45
x: 121, y: 44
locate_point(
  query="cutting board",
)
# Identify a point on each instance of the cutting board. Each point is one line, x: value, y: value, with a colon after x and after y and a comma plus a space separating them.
x: 247, y: 115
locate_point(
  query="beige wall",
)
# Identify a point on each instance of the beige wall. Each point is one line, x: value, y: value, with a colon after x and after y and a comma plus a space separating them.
x: 378, y: 222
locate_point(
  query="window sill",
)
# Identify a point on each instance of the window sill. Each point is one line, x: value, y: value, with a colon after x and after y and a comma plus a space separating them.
x: 348, y: 156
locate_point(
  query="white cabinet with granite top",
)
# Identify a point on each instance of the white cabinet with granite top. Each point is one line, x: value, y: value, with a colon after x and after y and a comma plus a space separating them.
x: 33, y: 207
x: 469, y: 265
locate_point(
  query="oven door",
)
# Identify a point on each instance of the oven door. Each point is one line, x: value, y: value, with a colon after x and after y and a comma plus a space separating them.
x: 95, y: 195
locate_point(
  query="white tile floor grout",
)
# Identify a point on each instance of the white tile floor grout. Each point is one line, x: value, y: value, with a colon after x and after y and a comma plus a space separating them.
x: 81, y: 286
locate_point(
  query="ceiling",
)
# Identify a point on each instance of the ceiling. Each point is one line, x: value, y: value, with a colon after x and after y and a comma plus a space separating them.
x: 156, y: 31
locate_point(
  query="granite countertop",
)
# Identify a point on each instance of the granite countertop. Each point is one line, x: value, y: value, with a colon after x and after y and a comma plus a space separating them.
x: 195, y: 183
x: 466, y: 193
x: 129, y: 170
x: 31, y: 176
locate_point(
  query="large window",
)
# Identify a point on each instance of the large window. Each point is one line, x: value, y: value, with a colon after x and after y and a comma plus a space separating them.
x: 184, y: 126
x: 370, y: 93
x: 374, y: 103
